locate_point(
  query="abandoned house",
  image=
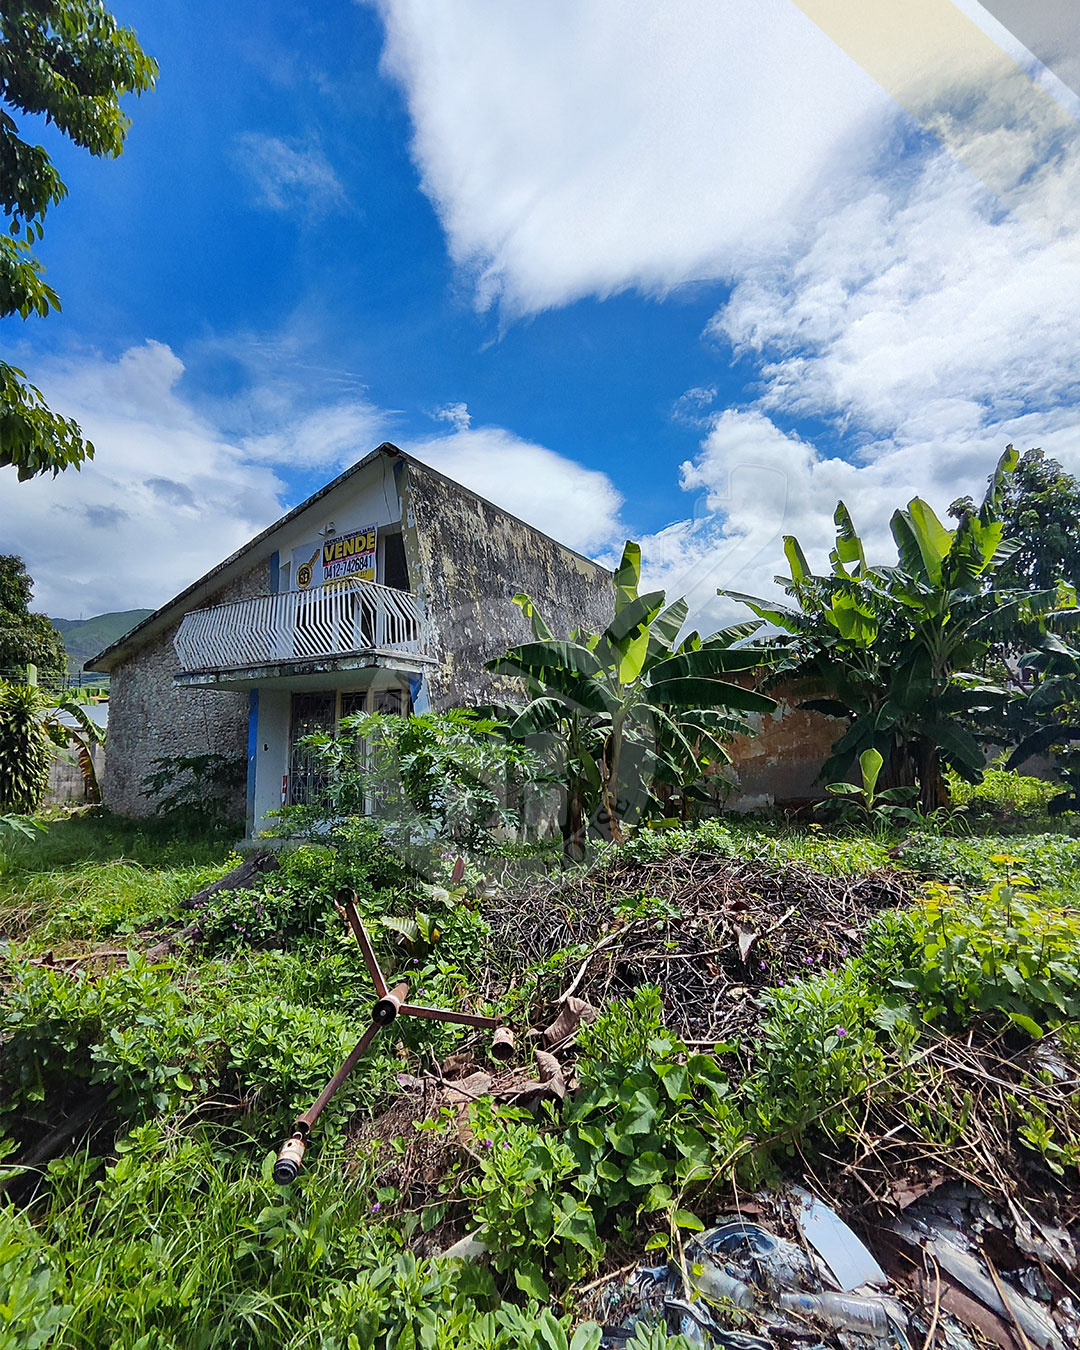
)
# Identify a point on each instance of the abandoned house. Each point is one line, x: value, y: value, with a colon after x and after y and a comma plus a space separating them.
x: 387, y: 590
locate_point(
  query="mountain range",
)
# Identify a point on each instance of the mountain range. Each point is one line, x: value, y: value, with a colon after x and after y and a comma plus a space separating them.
x: 84, y: 638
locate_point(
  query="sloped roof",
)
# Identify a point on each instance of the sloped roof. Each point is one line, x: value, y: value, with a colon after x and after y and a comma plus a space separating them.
x: 105, y: 661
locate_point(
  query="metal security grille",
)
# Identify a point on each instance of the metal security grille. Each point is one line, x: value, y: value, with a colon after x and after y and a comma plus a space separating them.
x: 311, y: 713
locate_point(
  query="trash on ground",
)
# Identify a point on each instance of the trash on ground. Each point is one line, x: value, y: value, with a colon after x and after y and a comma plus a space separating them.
x: 962, y: 1274
x: 742, y: 1287
x: 851, y: 1264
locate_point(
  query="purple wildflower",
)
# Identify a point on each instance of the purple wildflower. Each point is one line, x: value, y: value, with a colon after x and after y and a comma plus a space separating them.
x: 488, y: 1143
x: 841, y: 1032
x: 376, y: 1207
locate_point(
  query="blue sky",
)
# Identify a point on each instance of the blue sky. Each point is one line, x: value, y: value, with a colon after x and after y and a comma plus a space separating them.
x: 687, y: 273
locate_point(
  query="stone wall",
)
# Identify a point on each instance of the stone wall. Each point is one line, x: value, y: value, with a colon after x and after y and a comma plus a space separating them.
x: 151, y: 718
x: 467, y: 560
x: 66, y: 782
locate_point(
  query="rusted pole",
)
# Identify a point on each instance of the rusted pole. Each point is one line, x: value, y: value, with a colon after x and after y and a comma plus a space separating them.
x: 389, y: 1004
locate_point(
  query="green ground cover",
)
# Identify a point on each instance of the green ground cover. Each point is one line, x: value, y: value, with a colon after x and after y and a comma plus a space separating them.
x: 163, y: 1227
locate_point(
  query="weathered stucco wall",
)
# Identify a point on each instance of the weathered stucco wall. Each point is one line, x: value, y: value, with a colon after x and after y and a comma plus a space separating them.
x: 150, y: 718
x: 782, y: 761
x: 467, y: 560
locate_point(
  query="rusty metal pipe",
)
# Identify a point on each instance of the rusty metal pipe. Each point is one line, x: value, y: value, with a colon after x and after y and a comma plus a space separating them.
x: 347, y: 901
x: 289, y: 1160
x: 305, y: 1122
x: 388, y: 1007
x: 390, y: 1003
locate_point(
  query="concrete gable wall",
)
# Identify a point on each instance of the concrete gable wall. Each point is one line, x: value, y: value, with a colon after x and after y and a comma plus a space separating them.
x: 467, y: 560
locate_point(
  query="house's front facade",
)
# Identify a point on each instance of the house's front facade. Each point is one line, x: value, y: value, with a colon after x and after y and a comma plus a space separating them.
x: 388, y: 590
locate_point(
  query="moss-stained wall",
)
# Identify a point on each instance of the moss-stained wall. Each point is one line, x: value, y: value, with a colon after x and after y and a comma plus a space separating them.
x: 151, y: 718
x: 466, y: 562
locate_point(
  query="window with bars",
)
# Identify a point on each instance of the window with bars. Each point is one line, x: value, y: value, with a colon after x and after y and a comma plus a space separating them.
x: 311, y: 713
x: 324, y: 711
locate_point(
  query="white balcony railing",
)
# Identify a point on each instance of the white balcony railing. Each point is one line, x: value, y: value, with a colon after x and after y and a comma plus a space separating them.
x: 299, y: 626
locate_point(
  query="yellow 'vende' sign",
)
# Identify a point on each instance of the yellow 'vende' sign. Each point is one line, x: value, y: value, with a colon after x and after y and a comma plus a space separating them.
x: 344, y: 558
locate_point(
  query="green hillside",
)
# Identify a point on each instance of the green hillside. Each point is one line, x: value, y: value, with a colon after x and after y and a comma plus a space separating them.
x: 84, y: 638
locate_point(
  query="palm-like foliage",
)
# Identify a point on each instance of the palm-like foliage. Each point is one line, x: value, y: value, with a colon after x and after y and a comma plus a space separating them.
x: 1045, y: 718
x: 32, y: 723
x: 892, y: 648
x: 630, y: 710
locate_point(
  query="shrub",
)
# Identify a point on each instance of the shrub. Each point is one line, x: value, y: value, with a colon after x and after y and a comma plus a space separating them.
x: 1003, y: 953
x: 26, y: 750
x: 31, y: 1312
x: 1003, y: 792
x: 131, y: 1030
x: 201, y: 790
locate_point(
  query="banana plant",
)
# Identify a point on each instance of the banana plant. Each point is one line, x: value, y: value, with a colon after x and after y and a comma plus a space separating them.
x: 631, y: 708
x: 864, y: 803
x: 32, y: 722
x: 892, y: 648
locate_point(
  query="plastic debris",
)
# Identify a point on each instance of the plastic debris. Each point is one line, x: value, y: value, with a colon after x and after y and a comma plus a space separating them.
x: 761, y: 1284
x: 972, y: 1273
x: 846, y: 1257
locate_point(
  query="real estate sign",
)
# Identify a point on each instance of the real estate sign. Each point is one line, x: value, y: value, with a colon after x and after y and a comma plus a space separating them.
x: 337, y: 561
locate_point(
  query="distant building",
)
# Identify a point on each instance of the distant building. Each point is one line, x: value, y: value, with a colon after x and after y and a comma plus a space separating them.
x: 387, y: 590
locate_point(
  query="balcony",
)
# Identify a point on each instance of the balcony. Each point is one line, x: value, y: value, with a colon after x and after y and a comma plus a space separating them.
x: 324, y: 629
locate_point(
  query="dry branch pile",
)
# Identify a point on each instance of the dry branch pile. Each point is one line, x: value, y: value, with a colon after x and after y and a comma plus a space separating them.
x: 721, y: 930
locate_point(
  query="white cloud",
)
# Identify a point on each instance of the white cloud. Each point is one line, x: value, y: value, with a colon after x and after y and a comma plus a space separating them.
x: 289, y: 176
x: 912, y: 309
x: 577, y: 149
x: 577, y: 506
x: 169, y: 494
x: 755, y: 484
x: 333, y: 436
x: 165, y: 498
x: 457, y: 414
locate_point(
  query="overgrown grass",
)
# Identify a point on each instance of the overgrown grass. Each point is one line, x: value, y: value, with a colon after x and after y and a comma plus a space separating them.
x: 169, y: 1231
x: 1004, y: 794
x: 92, y: 876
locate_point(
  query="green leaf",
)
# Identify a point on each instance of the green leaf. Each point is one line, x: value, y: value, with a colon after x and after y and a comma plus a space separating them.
x: 658, y: 1242
x: 871, y: 762
x: 537, y: 658
x: 586, y: 1337
x: 529, y: 1278
x: 697, y: 692
x: 641, y: 1112
x: 712, y: 661
x: 848, y: 547
x: 540, y: 630
x: 627, y: 576
x: 931, y: 538
x: 684, y: 1219
x: 668, y: 624
x: 645, y: 1169
x: 800, y: 568
x: 1027, y: 1024
x: 659, y: 1197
